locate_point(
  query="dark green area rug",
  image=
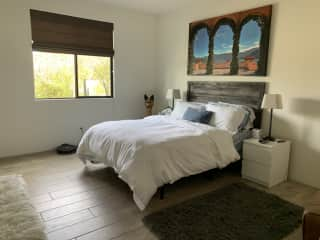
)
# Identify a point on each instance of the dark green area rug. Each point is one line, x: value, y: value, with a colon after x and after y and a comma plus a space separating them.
x: 235, y: 212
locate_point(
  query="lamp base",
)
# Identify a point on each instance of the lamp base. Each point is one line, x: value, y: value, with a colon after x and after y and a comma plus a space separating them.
x: 269, y: 138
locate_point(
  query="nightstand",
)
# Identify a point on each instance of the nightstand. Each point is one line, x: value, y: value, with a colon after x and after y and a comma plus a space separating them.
x: 266, y: 164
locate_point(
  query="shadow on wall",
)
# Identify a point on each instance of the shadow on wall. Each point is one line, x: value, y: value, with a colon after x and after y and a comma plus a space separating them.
x: 309, y: 110
x: 305, y: 155
x: 306, y: 106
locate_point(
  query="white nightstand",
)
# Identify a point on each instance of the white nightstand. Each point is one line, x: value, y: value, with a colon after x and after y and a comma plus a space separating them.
x: 266, y: 164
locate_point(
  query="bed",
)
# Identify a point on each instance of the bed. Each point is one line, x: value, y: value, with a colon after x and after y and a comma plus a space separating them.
x: 158, y: 150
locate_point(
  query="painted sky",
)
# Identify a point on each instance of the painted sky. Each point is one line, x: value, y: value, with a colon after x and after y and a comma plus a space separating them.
x: 249, y: 36
x: 223, y: 40
x: 201, y: 43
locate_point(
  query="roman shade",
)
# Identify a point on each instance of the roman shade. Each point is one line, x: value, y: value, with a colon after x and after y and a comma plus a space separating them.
x: 61, y: 33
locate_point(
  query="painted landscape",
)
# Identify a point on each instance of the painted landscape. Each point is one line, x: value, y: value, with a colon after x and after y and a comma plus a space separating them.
x: 248, y: 62
x: 234, y: 44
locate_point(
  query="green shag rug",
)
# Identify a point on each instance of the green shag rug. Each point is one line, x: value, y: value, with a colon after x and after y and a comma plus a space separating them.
x: 233, y: 212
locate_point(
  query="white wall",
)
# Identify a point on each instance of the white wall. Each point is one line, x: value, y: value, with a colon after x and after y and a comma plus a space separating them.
x: 27, y: 125
x: 293, y: 70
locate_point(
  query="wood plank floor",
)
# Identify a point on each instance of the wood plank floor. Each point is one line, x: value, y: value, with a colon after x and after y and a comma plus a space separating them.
x: 90, y: 203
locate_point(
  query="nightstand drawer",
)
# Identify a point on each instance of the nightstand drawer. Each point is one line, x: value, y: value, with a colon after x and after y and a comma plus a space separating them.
x: 265, y: 164
x: 255, y: 171
x: 260, y: 155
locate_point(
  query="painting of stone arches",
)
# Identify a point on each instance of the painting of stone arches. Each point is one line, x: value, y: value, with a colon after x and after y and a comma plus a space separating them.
x: 233, y: 44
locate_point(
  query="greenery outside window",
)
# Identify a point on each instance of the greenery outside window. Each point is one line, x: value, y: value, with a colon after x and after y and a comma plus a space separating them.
x: 64, y: 75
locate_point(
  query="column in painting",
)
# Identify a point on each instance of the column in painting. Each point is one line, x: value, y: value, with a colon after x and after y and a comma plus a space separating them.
x: 234, y: 66
x: 191, y: 57
x: 210, y: 56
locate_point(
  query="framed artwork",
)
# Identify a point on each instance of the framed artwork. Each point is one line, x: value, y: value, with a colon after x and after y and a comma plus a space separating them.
x: 233, y: 44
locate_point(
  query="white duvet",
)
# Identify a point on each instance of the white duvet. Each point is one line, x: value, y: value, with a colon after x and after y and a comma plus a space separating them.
x: 157, y: 150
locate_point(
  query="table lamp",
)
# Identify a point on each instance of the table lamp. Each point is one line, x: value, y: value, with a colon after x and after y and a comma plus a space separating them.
x: 173, y: 94
x: 271, y: 101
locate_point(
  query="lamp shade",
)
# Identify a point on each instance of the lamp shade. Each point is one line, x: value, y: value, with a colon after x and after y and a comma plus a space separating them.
x: 173, y: 93
x: 272, y: 101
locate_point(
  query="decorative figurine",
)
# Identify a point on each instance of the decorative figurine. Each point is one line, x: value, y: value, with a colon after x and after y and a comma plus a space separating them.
x: 148, y: 102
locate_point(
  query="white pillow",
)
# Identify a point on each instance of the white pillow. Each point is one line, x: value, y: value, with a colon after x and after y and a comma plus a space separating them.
x: 181, y: 107
x: 252, y: 115
x: 225, y: 117
x: 249, y: 109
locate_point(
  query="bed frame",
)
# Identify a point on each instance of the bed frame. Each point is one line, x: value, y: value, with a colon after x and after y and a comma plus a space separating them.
x: 244, y: 93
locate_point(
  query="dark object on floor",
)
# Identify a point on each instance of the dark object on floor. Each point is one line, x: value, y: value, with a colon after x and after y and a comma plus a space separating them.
x: 233, y: 212
x: 311, y: 226
x: 66, y: 149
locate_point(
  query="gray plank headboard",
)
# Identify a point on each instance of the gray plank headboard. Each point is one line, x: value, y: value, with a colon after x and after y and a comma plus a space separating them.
x: 244, y: 93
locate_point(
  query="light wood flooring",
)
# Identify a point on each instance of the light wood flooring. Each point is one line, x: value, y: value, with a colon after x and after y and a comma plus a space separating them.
x: 91, y: 203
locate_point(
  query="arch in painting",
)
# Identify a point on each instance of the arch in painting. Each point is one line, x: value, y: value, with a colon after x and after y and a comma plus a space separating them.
x: 192, y: 60
x: 262, y: 23
x: 233, y: 61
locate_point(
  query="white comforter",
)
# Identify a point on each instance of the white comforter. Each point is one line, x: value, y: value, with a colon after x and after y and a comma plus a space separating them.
x: 151, y: 152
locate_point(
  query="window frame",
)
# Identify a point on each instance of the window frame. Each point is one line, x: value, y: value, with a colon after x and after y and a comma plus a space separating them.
x: 75, y: 54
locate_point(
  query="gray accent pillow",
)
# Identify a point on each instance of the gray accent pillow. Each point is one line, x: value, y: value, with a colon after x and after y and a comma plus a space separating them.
x: 197, y: 115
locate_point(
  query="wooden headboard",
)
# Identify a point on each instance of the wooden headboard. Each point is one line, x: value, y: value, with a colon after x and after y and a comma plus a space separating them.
x: 244, y: 93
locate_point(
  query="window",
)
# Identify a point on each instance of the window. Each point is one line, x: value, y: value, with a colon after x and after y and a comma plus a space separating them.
x: 61, y: 75
x: 72, y: 57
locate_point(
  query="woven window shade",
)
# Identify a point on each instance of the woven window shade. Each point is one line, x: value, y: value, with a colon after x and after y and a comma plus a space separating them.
x: 61, y: 33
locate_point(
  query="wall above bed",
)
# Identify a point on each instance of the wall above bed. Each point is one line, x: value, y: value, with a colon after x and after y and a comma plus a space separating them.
x: 292, y: 70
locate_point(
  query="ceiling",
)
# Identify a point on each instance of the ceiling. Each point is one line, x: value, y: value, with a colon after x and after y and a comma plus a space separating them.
x: 150, y: 6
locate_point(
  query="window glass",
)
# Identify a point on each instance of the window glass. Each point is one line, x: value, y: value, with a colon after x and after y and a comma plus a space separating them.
x: 94, y: 76
x: 54, y: 75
